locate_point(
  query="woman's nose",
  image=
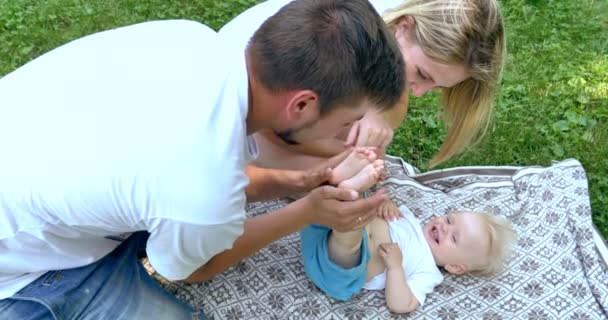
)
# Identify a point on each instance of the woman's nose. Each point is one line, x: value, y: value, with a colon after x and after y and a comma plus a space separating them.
x: 420, y: 89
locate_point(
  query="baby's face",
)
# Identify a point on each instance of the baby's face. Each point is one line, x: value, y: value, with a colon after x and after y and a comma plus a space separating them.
x: 459, y: 239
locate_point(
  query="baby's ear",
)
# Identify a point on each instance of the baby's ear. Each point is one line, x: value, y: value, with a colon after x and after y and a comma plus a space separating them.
x: 457, y: 269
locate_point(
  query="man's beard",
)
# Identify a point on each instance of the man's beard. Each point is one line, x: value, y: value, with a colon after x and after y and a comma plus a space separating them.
x: 286, y: 136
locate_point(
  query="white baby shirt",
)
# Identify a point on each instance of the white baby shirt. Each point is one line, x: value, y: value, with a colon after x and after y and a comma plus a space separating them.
x: 418, y: 264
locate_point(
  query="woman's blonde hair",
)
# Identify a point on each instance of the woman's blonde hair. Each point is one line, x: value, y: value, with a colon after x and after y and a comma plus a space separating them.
x: 469, y: 32
x: 501, y: 239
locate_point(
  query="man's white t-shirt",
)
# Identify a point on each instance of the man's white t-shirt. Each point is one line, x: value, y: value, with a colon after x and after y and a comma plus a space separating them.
x: 418, y: 263
x: 240, y: 29
x: 137, y: 128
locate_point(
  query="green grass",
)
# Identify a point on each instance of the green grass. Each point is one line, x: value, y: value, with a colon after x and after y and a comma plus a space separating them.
x: 552, y: 105
x: 553, y: 100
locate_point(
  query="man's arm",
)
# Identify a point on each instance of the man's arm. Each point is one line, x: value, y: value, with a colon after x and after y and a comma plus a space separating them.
x: 334, y: 207
x: 275, y: 183
x: 267, y: 184
x: 258, y: 232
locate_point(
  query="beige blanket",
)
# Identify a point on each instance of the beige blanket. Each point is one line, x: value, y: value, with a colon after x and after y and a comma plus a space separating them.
x: 556, y: 271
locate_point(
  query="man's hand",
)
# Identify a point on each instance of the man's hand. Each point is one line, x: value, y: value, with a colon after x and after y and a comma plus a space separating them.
x: 305, y: 181
x: 371, y: 131
x: 388, y: 211
x: 341, y: 209
x: 391, y: 255
x: 265, y: 183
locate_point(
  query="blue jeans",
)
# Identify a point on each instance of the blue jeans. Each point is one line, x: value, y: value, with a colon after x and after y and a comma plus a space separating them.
x: 116, y: 287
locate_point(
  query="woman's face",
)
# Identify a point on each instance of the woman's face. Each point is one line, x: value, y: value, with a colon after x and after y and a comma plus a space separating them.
x: 424, y: 74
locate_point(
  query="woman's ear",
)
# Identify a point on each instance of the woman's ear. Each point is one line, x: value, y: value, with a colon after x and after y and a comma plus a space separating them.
x: 405, y: 28
x: 408, y: 22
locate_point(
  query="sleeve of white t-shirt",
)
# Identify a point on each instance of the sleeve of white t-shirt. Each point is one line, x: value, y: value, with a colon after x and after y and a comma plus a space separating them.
x: 176, y: 249
x: 422, y: 283
x: 198, y: 218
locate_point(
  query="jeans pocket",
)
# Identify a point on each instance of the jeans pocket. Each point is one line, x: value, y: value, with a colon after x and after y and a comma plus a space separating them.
x: 50, y: 278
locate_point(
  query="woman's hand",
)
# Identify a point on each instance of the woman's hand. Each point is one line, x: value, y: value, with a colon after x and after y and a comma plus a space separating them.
x: 371, y: 131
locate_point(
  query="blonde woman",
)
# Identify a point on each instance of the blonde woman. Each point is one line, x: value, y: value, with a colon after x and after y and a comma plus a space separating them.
x: 456, y: 46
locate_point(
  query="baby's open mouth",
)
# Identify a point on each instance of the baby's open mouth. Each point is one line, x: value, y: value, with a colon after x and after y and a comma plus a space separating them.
x: 435, y: 234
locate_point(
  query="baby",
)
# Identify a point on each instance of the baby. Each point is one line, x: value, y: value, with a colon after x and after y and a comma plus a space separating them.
x: 342, y: 263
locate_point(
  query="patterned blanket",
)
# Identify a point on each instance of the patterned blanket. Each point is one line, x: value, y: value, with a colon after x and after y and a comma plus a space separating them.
x: 555, y: 272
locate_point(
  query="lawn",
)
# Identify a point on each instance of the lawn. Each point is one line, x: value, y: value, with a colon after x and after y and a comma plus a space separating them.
x: 552, y: 105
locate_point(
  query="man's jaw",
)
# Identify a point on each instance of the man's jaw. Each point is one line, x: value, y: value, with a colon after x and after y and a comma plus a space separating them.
x: 285, y: 136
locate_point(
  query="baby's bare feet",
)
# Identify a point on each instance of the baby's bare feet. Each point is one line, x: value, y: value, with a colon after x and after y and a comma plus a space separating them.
x: 357, y: 160
x: 366, y: 178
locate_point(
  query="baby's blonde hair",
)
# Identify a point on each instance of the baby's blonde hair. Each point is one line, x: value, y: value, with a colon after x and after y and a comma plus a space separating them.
x: 469, y: 32
x: 501, y: 238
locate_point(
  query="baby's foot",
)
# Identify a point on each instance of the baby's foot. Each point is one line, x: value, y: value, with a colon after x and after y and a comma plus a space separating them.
x: 355, y: 161
x: 366, y: 178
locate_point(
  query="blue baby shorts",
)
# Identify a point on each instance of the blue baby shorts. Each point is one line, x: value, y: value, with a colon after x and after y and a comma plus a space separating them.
x: 336, y: 281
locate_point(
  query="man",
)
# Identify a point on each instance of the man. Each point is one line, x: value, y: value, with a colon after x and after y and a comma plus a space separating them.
x: 146, y: 130
x: 375, y: 129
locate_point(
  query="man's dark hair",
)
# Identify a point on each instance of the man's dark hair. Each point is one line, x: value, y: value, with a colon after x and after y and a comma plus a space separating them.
x: 340, y: 49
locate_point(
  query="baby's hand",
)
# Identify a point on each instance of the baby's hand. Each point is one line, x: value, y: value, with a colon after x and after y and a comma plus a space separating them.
x: 391, y: 254
x: 388, y: 211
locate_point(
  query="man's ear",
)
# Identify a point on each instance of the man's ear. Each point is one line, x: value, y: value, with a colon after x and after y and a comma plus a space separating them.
x: 302, y: 106
x: 457, y: 269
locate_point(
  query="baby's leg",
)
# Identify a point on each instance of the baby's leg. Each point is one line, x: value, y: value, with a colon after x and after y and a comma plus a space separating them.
x: 345, y: 248
x: 358, y: 159
x: 366, y: 178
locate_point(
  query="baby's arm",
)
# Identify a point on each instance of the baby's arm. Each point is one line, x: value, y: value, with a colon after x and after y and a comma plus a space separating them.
x: 388, y: 211
x: 399, y: 296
